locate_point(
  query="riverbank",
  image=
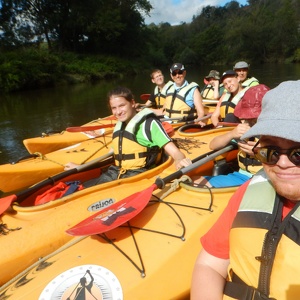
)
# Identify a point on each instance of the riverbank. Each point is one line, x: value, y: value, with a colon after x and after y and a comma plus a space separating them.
x: 35, y: 68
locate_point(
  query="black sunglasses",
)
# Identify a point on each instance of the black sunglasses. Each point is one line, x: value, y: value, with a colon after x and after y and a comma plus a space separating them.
x: 270, y: 154
x: 180, y: 72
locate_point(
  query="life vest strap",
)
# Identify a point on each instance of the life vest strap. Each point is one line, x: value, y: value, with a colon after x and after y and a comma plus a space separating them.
x: 120, y: 157
x: 237, y: 289
x: 182, y: 112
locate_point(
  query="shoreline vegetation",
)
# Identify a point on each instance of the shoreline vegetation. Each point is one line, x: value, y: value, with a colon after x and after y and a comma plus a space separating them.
x: 61, y: 41
x: 34, y: 68
x: 28, y: 69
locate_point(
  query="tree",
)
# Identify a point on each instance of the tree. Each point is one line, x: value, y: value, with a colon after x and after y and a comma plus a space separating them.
x: 76, y: 25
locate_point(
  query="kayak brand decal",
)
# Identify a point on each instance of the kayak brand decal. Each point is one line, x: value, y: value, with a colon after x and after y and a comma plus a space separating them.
x: 86, y: 282
x: 101, y: 204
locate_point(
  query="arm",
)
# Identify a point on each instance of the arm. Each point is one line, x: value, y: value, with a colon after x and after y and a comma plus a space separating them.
x: 216, y: 84
x: 208, y: 278
x: 222, y: 140
x: 198, y: 103
x: 179, y: 158
x: 215, y: 115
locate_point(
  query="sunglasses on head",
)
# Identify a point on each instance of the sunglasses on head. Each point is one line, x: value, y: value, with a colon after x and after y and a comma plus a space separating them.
x: 180, y: 72
x: 270, y: 154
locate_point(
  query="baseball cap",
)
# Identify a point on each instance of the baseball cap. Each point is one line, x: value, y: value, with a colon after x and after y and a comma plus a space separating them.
x: 249, y: 107
x: 177, y: 66
x: 241, y: 65
x: 228, y: 73
x: 279, y: 116
x: 213, y: 74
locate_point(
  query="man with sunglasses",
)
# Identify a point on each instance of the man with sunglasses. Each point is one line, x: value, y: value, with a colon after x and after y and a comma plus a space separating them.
x: 253, y: 250
x: 183, y: 99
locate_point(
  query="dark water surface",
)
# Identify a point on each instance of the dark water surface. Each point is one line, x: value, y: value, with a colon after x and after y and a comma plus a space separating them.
x: 29, y: 114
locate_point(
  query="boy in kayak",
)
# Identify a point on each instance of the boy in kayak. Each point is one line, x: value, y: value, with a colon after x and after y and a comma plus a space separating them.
x: 158, y: 96
x: 228, y: 101
x: 247, y: 110
x: 138, y: 138
x: 252, y: 251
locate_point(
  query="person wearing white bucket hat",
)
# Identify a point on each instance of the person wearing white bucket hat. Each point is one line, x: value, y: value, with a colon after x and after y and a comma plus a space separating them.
x: 252, y: 251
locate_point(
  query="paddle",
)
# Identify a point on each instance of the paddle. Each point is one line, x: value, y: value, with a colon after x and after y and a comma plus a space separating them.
x: 227, y: 124
x: 89, y: 128
x: 145, y: 97
x: 168, y: 128
x: 5, y: 202
x: 210, y: 101
x: 124, y: 210
x: 180, y: 119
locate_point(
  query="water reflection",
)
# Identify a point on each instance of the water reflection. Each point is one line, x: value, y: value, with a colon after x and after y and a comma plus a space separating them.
x: 29, y: 114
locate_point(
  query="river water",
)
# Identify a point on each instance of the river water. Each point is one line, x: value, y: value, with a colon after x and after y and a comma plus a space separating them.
x: 29, y: 114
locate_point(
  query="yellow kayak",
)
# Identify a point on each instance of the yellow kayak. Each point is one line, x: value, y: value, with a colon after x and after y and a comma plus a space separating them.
x: 149, y: 257
x: 31, y: 232
x: 49, y: 142
x: 27, y: 172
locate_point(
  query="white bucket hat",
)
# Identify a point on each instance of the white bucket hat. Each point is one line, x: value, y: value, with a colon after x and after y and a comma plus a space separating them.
x: 280, y: 115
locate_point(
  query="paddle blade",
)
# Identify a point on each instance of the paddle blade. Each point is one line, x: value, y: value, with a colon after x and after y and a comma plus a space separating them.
x: 168, y: 128
x: 114, y: 215
x: 6, y: 202
x: 145, y: 97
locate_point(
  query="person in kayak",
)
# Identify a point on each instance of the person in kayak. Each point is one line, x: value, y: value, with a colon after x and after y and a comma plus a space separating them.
x: 158, y: 96
x: 242, y: 70
x: 213, y: 89
x: 138, y: 140
x: 183, y: 99
x: 252, y: 251
x: 234, y: 92
x: 247, y: 110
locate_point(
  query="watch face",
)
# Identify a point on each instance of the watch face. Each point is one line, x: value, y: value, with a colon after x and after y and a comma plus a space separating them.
x: 86, y: 282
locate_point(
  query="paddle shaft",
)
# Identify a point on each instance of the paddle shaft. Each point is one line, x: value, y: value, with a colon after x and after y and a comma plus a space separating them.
x: 89, y: 128
x: 185, y: 121
x: 227, y: 124
x: 197, y: 162
x: 21, y: 196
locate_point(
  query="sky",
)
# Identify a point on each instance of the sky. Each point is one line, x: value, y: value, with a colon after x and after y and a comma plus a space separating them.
x: 178, y: 11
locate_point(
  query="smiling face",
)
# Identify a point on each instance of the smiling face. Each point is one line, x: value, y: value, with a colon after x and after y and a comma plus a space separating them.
x: 284, y: 175
x: 178, y: 76
x: 158, y: 78
x: 232, y: 84
x: 121, y: 108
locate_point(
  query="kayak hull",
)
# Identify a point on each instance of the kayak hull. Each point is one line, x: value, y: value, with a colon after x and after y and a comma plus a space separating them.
x: 49, y: 142
x: 42, y: 227
x: 150, y: 257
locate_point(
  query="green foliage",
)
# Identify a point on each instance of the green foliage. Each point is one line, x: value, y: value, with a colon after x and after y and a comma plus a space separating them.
x: 262, y: 31
x: 33, y: 68
x: 94, y: 39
